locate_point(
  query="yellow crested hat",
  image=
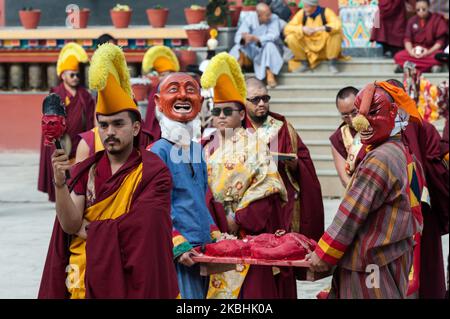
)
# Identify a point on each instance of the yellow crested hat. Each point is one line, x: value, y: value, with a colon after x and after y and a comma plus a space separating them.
x: 70, y: 56
x: 224, y: 74
x: 109, y: 75
x: 161, y: 59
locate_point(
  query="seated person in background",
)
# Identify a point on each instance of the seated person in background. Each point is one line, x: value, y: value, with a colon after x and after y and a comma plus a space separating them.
x: 426, y: 34
x: 258, y: 42
x: 392, y: 26
x: 314, y: 34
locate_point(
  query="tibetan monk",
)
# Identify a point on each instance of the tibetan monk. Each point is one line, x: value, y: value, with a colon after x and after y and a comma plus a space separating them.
x: 375, y: 231
x: 112, y: 236
x: 304, y: 211
x: 426, y: 35
x: 423, y: 141
x: 80, y: 109
x: 314, y: 34
x: 243, y: 180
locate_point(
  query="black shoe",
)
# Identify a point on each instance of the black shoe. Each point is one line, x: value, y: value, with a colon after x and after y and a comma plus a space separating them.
x: 398, y: 69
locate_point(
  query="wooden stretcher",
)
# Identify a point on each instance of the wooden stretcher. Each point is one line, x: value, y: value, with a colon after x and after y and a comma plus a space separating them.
x: 212, y: 265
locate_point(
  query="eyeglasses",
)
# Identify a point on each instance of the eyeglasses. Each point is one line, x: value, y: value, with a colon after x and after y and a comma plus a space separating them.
x: 255, y: 100
x: 72, y: 75
x: 351, y: 114
x: 227, y: 111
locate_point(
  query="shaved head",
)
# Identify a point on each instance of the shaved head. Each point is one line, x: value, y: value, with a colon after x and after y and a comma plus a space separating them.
x: 254, y: 83
x: 264, y: 13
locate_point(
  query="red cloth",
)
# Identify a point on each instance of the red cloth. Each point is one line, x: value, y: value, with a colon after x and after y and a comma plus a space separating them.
x: 131, y: 256
x: 151, y: 124
x: 392, y: 23
x: 444, y: 140
x: 424, y: 142
x: 80, y: 118
x: 89, y: 138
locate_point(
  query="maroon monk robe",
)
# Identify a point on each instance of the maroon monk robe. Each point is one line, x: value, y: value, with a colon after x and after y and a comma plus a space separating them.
x: 311, y: 204
x: 426, y: 34
x: 80, y: 118
x: 424, y: 142
x: 391, y: 29
x: 151, y: 124
x: 131, y: 256
x: 262, y: 216
x: 444, y: 139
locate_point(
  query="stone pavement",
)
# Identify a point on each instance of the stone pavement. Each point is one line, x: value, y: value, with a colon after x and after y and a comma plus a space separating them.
x: 26, y: 220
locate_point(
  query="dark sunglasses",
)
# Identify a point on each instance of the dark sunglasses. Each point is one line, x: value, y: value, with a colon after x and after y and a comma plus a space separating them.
x: 227, y: 111
x: 72, y: 75
x: 255, y: 100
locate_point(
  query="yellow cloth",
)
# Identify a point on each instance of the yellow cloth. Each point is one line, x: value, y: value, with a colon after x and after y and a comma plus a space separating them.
x: 110, y: 208
x: 319, y: 46
x: 241, y: 168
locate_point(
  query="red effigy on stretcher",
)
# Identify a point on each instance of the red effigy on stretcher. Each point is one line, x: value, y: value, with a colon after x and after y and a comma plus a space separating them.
x: 279, y: 249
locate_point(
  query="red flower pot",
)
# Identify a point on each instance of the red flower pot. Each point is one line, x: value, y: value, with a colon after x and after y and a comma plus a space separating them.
x: 248, y: 8
x: 294, y: 10
x: 194, y: 16
x: 197, y: 38
x: 186, y: 57
x: 30, y: 19
x: 140, y: 91
x: 157, y: 18
x: 121, y: 19
x: 81, y: 21
x: 235, y: 12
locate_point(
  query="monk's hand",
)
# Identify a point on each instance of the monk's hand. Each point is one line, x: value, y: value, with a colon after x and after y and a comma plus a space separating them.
x: 82, y: 232
x: 60, y: 163
x: 317, y: 264
x: 233, y: 228
x: 308, y: 30
x: 186, y: 259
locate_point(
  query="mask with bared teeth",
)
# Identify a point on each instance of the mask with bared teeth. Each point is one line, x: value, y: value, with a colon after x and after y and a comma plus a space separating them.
x: 179, y: 97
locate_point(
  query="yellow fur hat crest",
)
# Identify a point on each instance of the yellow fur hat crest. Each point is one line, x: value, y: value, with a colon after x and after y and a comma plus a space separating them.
x: 161, y: 59
x: 109, y: 75
x: 70, y: 56
x: 224, y: 74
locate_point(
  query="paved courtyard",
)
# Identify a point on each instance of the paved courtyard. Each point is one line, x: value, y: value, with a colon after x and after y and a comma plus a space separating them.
x: 26, y: 220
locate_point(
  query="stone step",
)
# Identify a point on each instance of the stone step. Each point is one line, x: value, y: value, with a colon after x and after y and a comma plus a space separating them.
x: 359, y: 65
x: 304, y: 104
x: 345, y: 79
x: 301, y: 118
x: 323, y: 162
x: 330, y: 183
x: 318, y: 147
x: 306, y: 91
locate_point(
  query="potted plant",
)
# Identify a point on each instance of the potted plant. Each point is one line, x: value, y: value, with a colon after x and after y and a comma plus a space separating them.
x: 293, y: 6
x: 197, y: 34
x: 29, y: 17
x: 249, y: 5
x: 121, y: 16
x: 157, y: 16
x: 186, y: 57
x: 140, y: 87
x: 195, y: 14
x: 217, y: 13
x: 78, y: 18
x: 235, y: 12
